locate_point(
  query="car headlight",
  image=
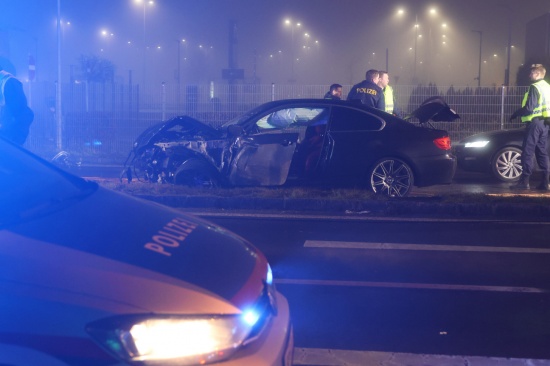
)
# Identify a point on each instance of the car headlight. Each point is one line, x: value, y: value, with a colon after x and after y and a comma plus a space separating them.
x: 175, y: 340
x: 181, y: 340
x: 476, y: 144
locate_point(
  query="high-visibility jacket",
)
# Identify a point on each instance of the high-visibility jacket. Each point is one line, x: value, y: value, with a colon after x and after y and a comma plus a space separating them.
x: 543, y: 104
x: 4, y: 77
x: 389, y: 99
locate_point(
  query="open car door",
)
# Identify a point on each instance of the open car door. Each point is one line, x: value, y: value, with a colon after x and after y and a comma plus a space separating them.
x: 262, y: 159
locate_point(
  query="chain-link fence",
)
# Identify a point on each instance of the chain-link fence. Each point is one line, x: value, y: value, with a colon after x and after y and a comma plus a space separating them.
x: 100, y: 121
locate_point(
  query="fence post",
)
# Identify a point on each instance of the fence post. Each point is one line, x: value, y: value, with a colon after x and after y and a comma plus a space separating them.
x: 502, y: 99
x: 87, y: 95
x: 163, y: 101
x: 272, y: 92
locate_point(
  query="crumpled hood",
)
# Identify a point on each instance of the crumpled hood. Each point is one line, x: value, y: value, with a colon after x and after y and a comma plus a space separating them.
x: 133, y: 252
x: 174, y: 128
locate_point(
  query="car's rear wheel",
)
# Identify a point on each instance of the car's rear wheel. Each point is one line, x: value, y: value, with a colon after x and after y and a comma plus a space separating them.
x: 391, y: 177
x: 506, y: 164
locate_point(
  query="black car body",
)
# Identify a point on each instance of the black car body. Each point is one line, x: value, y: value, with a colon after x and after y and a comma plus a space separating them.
x: 496, y: 152
x: 302, y: 141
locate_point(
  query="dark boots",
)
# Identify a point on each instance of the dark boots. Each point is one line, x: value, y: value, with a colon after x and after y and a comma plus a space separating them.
x: 545, y: 184
x: 523, y: 183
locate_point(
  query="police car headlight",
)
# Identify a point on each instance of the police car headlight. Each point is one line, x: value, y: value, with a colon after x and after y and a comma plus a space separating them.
x: 174, y: 340
x: 477, y: 144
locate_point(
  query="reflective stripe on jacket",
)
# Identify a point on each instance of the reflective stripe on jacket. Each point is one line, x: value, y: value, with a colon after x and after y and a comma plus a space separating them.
x: 543, y: 104
x: 4, y: 77
x: 388, y: 98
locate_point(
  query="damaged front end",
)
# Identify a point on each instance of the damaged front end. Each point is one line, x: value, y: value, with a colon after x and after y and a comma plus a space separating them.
x: 179, y: 151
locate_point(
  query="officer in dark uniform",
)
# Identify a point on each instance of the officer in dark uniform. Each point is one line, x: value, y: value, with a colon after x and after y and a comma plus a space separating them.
x: 535, y: 113
x: 15, y: 116
x: 368, y: 92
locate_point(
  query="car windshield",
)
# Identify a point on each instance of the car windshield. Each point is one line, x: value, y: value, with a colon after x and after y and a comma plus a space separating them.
x: 30, y: 187
x: 243, y: 117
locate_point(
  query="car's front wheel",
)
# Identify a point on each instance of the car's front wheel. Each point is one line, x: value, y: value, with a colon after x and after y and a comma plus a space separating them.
x: 506, y: 164
x: 391, y: 177
x: 196, y: 178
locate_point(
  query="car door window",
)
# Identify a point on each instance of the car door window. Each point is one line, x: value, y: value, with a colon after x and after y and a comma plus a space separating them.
x: 350, y: 119
x: 289, y: 118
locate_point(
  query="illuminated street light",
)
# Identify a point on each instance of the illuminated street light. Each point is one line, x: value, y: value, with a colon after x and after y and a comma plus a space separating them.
x: 144, y: 4
x: 420, y: 33
x: 289, y: 23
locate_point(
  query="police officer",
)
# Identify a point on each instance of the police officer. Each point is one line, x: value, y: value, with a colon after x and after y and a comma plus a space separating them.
x: 389, y: 97
x: 15, y: 116
x: 334, y: 92
x: 535, y: 113
x: 368, y: 92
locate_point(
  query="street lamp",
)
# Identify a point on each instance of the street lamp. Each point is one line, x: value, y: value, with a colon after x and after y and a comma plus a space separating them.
x: 58, y: 89
x: 479, y: 67
x: 144, y: 4
x: 289, y: 23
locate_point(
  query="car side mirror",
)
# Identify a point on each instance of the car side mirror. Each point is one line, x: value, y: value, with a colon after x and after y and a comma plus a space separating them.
x: 235, y: 130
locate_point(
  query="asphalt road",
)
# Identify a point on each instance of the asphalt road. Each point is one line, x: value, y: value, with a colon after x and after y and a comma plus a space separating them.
x: 441, y: 292
x: 420, y: 287
x: 463, y: 182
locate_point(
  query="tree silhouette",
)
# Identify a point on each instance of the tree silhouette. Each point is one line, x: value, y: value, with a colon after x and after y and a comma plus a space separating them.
x: 96, y: 69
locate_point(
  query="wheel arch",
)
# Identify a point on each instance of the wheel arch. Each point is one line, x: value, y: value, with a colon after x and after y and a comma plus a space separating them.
x: 195, y: 163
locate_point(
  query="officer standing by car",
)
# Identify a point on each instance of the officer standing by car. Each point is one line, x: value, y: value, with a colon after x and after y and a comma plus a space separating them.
x: 389, y: 96
x: 15, y: 116
x: 368, y: 91
x: 535, y: 113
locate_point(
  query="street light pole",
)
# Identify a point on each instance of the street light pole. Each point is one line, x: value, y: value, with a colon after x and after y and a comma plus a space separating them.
x: 479, y: 64
x: 178, y: 93
x: 144, y: 4
x: 292, y: 54
x: 507, y: 71
x: 415, y: 46
x: 58, y: 121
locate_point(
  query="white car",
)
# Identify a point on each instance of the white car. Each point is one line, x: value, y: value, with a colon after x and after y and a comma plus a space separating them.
x: 89, y: 276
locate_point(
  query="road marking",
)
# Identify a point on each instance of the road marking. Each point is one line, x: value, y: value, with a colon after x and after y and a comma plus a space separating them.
x: 352, y: 216
x: 434, y: 247
x: 408, y: 285
x: 335, y: 357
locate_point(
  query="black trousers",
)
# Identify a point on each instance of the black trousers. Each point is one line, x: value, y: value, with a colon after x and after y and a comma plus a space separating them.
x: 535, y: 145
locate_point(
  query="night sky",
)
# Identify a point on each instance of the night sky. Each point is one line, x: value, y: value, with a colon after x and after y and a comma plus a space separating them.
x: 352, y: 36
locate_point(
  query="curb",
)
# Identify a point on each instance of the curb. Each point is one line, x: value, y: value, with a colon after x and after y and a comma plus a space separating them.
x: 417, y: 207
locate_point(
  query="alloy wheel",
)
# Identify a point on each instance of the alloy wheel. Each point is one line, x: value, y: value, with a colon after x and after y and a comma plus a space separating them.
x: 391, y: 177
x: 507, y: 164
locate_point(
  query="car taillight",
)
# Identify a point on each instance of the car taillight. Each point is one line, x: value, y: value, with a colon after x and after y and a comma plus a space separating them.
x: 444, y: 143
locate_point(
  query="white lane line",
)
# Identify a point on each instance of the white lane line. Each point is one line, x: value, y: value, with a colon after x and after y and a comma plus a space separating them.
x: 407, y: 285
x: 350, y: 217
x: 336, y: 357
x: 400, y: 246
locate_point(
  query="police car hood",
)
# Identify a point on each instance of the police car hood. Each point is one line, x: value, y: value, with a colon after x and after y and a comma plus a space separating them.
x: 120, y: 254
x: 434, y: 109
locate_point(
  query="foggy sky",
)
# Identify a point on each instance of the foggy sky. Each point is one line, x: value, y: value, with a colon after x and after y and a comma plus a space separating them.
x: 353, y: 36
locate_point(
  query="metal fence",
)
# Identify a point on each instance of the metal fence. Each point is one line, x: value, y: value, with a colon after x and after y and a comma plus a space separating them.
x: 100, y: 121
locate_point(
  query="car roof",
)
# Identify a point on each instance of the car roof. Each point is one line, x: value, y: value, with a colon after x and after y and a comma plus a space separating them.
x: 328, y: 102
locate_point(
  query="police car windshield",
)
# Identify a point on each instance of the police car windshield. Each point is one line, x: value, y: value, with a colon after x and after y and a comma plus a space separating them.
x: 30, y: 187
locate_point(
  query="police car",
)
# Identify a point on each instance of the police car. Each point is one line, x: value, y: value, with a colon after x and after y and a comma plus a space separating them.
x: 89, y: 276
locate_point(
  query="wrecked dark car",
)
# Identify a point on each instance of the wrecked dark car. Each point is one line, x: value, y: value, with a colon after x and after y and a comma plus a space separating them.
x: 300, y: 141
